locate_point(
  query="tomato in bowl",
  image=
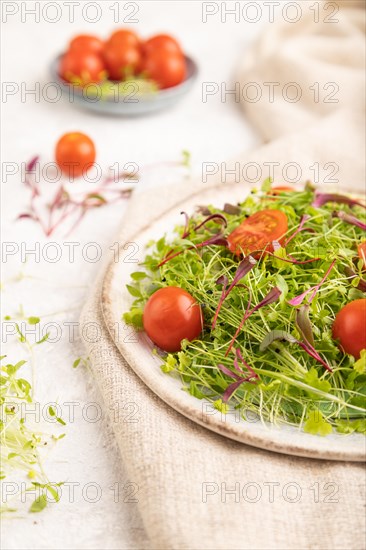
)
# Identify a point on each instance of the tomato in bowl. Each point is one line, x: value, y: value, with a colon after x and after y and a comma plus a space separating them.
x: 125, y: 74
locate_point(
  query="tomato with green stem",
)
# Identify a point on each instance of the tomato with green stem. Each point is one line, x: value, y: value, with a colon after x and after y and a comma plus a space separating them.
x: 257, y: 232
x: 349, y: 327
x: 75, y: 154
x: 171, y: 315
x: 82, y: 67
x: 122, y: 59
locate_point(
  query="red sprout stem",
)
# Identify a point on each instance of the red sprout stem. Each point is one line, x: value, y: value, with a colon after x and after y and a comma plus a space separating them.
x: 297, y: 300
x: 238, y: 379
x: 300, y: 228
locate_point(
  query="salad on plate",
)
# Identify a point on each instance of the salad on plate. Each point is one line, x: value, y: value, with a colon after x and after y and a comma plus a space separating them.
x: 260, y: 306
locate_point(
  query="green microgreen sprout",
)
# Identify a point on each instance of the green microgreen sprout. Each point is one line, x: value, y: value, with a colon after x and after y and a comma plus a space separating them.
x: 31, y: 320
x: 81, y: 361
x: 22, y: 440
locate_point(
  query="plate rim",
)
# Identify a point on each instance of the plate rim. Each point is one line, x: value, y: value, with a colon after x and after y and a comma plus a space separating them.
x: 181, y: 405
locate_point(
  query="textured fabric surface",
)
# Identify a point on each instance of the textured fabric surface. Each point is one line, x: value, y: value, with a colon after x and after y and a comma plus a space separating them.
x: 304, y: 71
x: 198, y: 490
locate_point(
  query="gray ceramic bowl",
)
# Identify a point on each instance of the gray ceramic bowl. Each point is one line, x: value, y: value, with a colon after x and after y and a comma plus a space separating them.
x: 132, y: 104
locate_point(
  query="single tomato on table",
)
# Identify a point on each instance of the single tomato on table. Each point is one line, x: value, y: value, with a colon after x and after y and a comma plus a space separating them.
x: 75, y: 154
x: 86, y: 43
x: 349, y: 327
x: 82, y: 67
x: 257, y: 232
x: 171, y: 315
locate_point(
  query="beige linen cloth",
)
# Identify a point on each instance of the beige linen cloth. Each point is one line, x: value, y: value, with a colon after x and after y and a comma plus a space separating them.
x: 168, y: 456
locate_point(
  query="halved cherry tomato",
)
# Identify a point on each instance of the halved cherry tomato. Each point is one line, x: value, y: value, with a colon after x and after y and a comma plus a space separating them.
x: 82, y: 67
x: 362, y: 252
x: 161, y: 42
x: 257, y: 232
x: 124, y: 36
x: 281, y: 189
x: 349, y: 327
x: 165, y: 68
x: 87, y: 43
x: 75, y: 154
x: 171, y: 314
x: 122, y: 58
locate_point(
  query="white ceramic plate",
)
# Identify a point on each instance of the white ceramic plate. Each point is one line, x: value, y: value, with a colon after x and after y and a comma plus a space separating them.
x: 136, y: 349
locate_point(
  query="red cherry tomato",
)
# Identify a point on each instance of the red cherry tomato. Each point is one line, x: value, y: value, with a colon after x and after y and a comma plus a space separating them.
x: 86, y: 43
x: 83, y: 67
x: 161, y: 42
x: 258, y: 231
x: 281, y: 189
x: 362, y: 252
x: 349, y: 327
x: 170, y: 315
x: 124, y: 36
x: 122, y: 58
x: 165, y: 68
x: 75, y: 154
